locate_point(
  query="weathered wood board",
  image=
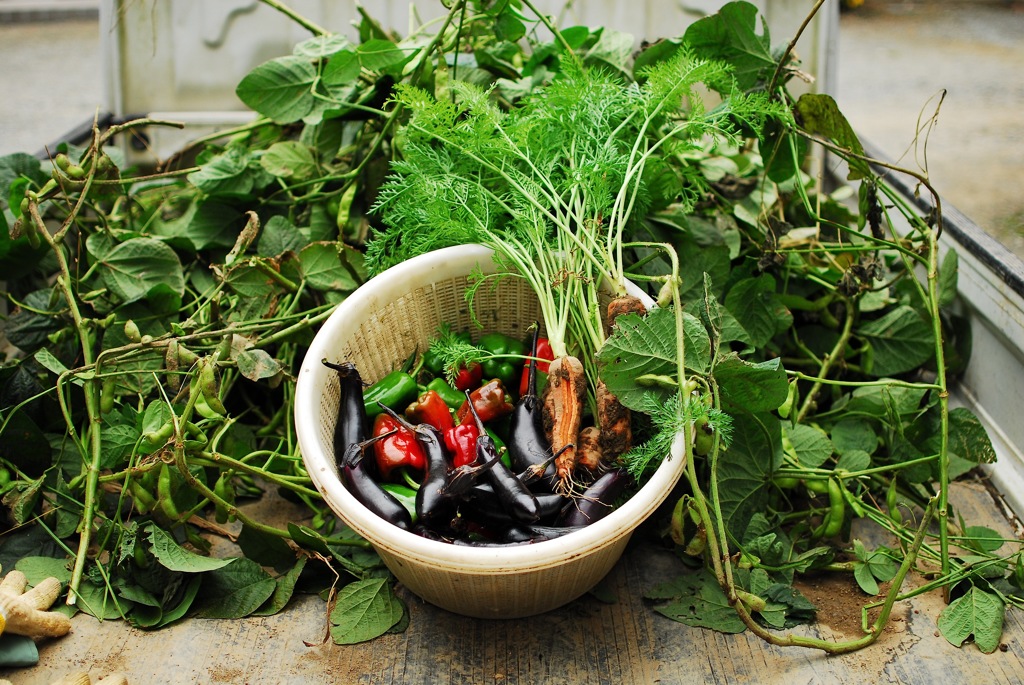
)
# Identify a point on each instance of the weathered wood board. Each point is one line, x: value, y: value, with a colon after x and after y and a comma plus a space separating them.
x: 585, y: 642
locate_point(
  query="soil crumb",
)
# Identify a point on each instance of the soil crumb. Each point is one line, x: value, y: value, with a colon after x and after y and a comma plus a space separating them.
x: 839, y: 601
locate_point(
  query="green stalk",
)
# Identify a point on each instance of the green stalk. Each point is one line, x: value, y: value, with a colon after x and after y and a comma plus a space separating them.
x: 940, y: 364
x: 91, y: 390
x: 297, y: 18
x: 830, y: 359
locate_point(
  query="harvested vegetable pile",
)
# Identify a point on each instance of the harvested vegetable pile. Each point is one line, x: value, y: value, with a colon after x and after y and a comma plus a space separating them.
x: 803, y: 336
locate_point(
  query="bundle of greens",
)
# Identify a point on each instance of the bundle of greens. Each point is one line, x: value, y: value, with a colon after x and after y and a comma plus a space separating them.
x: 158, y: 317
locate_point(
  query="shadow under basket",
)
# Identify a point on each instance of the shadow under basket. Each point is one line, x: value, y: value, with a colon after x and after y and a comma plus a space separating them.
x: 386, y: 320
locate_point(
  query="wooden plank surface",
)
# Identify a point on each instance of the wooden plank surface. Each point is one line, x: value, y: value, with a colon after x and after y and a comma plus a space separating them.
x: 585, y: 642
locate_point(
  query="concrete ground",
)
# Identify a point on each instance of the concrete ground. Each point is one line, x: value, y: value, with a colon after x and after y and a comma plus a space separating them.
x: 894, y: 60
x: 897, y: 59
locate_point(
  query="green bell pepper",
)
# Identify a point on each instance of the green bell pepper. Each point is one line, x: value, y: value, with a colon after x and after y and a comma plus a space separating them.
x: 504, y: 365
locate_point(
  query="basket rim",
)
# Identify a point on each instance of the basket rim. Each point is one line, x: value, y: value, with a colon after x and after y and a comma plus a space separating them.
x: 318, y: 458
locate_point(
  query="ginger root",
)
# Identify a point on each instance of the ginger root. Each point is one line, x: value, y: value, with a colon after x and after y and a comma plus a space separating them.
x: 24, y: 613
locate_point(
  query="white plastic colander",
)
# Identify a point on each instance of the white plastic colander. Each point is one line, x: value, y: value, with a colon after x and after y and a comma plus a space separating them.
x: 379, y: 325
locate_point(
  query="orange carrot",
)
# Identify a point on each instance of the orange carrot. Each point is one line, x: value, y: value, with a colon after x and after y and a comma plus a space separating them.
x: 588, y: 450
x: 623, y: 304
x: 616, y: 424
x: 615, y: 420
x: 563, y: 411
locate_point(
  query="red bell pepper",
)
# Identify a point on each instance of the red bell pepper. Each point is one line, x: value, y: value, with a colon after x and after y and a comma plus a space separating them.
x: 543, y: 352
x: 431, y: 408
x: 490, y: 401
x: 469, y: 377
x: 398, y: 451
x: 461, y: 443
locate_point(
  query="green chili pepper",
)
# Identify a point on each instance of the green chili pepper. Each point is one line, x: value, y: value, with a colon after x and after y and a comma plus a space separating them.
x: 395, y: 390
x: 406, y: 496
x: 502, y: 367
x: 452, y: 397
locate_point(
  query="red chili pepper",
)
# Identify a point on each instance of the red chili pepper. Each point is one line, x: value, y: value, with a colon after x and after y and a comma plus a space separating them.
x: 469, y: 377
x: 490, y: 401
x: 430, y: 408
x: 543, y: 352
x: 400, y: 450
x: 461, y: 443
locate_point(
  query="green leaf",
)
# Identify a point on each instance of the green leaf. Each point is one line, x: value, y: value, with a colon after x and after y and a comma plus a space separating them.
x: 745, y: 469
x: 280, y: 89
x: 204, y: 224
x: 968, y: 438
x: 96, y: 601
x: 697, y: 600
x: 236, y: 590
x: 853, y: 460
x: 612, y: 49
x: 751, y: 387
x: 341, y: 69
x: 821, y: 115
x: 509, y: 27
x: 380, y: 55
x: 22, y: 498
x: 256, y: 364
x: 983, y: 539
x: 227, y: 174
x: 52, y: 364
x: 364, y: 609
x: 731, y: 35
x: 812, y: 446
x: 284, y: 590
x: 977, y: 613
x: 321, y: 46
x: 853, y: 434
x: 323, y: 269
x: 646, y: 346
x: 38, y: 569
x: 264, y: 548
x: 187, y: 598
x: 752, y: 301
x: 901, y: 340
x: 132, y: 268
x: 865, y: 579
x: 19, y: 165
x: 174, y: 557
x: 289, y: 159
x: 279, y: 236
x: 948, y: 277
x: 117, y: 443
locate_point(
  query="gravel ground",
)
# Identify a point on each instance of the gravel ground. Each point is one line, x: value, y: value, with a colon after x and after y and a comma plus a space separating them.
x: 895, y: 59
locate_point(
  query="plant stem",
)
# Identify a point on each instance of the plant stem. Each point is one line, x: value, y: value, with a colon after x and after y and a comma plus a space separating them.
x: 91, y: 390
x: 297, y: 18
x: 826, y: 365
